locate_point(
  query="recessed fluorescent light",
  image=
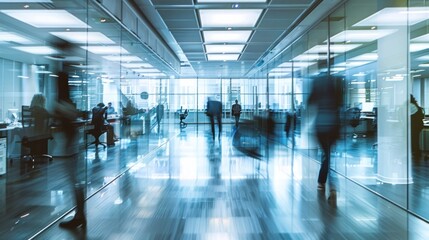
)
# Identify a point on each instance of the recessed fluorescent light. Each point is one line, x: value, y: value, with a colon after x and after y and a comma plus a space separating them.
x: 278, y: 74
x: 361, y: 35
x: 424, y: 65
x: 84, y: 37
x: 352, y: 64
x: 222, y: 57
x: 126, y: 58
x: 154, y: 75
x: 47, y: 18
x: 398, y: 16
x: 334, y: 48
x: 226, y: 36
x: 296, y: 64
x: 137, y: 65
x: 423, y: 58
x: 42, y: 50
x: 23, y: 77
x: 105, y: 49
x: 229, y: 17
x: 220, y: 48
x: 281, y: 69
x: 310, y: 57
x: 415, y: 47
x: 145, y: 70
x: 229, y: 1
x: 365, y: 57
x: 13, y: 37
x: 423, y: 38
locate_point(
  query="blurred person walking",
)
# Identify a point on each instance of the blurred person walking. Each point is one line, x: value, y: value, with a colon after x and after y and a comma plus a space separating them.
x: 417, y: 116
x: 66, y: 113
x: 326, y: 97
x: 236, y: 112
x: 214, y: 110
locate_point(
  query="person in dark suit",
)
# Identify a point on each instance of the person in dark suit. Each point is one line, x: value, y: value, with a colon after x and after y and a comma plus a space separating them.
x: 214, y: 111
x: 326, y: 97
x: 417, y: 116
x: 236, y: 112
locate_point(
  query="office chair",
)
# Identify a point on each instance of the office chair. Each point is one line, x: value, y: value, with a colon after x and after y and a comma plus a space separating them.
x: 182, y: 116
x: 35, y: 136
x: 353, y: 115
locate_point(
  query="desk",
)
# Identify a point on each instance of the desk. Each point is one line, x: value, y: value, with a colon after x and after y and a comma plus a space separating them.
x: 6, y: 139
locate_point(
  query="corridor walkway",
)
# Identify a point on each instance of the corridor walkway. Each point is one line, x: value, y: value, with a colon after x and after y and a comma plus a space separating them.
x: 194, y: 188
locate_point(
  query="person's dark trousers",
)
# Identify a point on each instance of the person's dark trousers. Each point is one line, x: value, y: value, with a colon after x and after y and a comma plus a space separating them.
x: 415, y: 143
x: 325, y: 142
x: 237, y: 118
x: 212, y: 126
x: 219, y: 122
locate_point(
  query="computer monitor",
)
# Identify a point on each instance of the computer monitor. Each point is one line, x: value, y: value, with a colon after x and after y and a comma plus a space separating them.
x: 13, y: 115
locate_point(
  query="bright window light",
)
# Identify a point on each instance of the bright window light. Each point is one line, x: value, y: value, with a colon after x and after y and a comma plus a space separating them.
x: 222, y: 57
x: 226, y: 36
x: 279, y: 74
x: 229, y: 17
x: 415, y: 47
x: 361, y: 35
x: 126, y: 58
x: 335, y: 48
x: 398, y: 16
x: 220, y: 48
x: 46, y: 18
x: 84, y: 37
x: 229, y: 1
x: 105, y: 49
x: 145, y: 70
x: 365, y: 57
x: 13, y: 37
x: 39, y: 50
x: 137, y: 65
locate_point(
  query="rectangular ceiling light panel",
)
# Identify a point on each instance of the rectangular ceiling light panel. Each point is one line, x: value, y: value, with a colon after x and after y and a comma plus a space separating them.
x: 126, y: 58
x: 229, y: 17
x: 13, y: 37
x: 137, y: 65
x: 221, y: 48
x: 222, y: 57
x: 46, y: 18
x: 39, y: 50
x: 105, y: 49
x: 361, y: 35
x: 226, y: 36
x: 398, y: 16
x: 84, y: 37
x: 335, y: 48
x: 145, y: 70
x: 415, y: 47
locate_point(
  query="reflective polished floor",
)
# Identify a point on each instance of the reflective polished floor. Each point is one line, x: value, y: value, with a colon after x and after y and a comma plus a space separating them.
x: 187, y: 186
x: 192, y: 187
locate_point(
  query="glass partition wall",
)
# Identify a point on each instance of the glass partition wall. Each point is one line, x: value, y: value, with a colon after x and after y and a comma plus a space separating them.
x: 379, y: 50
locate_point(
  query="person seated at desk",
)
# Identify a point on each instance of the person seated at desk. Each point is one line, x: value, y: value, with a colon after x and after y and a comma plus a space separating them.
x: 39, y: 113
x: 99, y: 120
x: 110, y: 109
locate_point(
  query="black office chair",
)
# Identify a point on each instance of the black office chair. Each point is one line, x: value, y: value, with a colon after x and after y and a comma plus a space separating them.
x: 182, y: 116
x: 99, y: 128
x: 35, y: 136
x: 353, y: 116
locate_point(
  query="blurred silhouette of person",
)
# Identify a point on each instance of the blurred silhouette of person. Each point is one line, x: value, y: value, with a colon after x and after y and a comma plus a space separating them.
x: 39, y: 113
x: 417, y: 116
x: 326, y: 96
x: 214, y: 110
x: 66, y: 113
x: 99, y: 119
x: 236, y: 112
x: 159, y: 115
x: 110, y: 109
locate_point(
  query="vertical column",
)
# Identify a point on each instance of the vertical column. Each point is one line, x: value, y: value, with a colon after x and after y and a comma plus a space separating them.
x: 393, y: 120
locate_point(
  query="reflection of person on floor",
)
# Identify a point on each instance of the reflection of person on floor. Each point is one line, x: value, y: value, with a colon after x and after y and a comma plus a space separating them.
x: 214, y: 110
x: 417, y: 116
x: 326, y: 96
